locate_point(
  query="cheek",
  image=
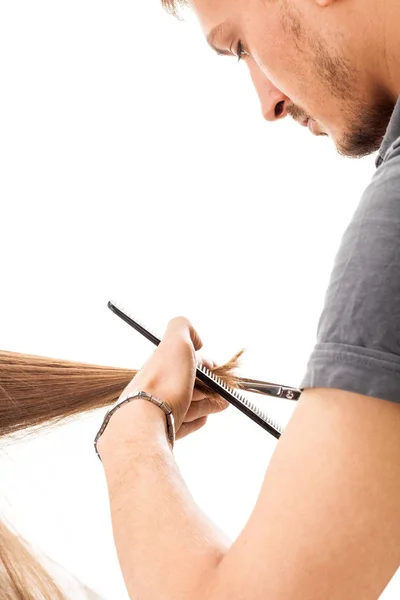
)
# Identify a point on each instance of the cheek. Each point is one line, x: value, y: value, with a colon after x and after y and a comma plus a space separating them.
x: 281, y: 74
x: 281, y: 49
x: 289, y: 70
x: 275, y: 56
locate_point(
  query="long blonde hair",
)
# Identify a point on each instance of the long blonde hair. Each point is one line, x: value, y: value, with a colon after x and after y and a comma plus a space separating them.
x: 38, y: 393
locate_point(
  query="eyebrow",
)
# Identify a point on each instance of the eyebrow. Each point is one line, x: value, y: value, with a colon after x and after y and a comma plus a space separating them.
x: 214, y: 34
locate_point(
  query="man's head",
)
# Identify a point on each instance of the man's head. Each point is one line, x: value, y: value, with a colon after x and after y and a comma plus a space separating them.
x: 323, y: 62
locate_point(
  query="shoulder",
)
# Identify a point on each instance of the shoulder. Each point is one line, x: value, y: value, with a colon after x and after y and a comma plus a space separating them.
x: 358, y: 337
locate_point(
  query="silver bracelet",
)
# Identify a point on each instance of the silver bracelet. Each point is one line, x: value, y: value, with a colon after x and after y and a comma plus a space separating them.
x: 143, y: 396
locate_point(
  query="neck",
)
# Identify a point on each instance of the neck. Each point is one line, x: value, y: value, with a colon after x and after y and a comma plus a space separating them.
x: 387, y: 13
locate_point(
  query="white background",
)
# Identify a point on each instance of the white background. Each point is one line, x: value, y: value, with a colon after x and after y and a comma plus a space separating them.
x: 135, y: 165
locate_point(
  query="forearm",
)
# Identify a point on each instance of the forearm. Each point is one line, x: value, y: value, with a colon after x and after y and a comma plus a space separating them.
x: 167, y: 547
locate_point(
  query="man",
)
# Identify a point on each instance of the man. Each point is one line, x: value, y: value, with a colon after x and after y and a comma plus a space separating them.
x: 326, y: 524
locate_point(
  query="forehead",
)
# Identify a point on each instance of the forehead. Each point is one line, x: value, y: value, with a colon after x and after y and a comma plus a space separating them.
x: 214, y: 13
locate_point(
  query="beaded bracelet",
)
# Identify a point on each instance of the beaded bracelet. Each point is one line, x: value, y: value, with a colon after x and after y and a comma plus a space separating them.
x: 142, y: 396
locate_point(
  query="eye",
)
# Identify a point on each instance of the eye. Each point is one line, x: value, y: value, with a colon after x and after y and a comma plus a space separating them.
x: 240, y: 51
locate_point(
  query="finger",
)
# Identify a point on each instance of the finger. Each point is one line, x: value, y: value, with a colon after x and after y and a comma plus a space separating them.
x: 201, y: 394
x: 183, y: 328
x: 210, y: 364
x: 187, y: 428
x: 197, y: 395
x: 205, y: 407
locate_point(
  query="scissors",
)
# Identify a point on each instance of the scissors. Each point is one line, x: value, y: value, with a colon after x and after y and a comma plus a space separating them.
x: 213, y: 382
x: 269, y: 389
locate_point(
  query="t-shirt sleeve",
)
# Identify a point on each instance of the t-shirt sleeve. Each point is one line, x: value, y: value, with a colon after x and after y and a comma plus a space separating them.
x: 358, y: 335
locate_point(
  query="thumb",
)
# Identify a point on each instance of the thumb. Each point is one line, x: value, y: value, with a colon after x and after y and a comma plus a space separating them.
x: 182, y: 328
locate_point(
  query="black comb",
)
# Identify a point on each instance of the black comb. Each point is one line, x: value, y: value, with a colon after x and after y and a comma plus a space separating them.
x: 212, y: 381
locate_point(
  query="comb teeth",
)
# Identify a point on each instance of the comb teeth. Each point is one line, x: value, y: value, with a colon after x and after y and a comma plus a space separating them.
x: 122, y: 309
x: 155, y: 339
x: 255, y: 409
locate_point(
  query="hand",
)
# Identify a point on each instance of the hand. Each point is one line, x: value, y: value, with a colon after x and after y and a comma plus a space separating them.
x: 200, y: 407
x: 170, y: 374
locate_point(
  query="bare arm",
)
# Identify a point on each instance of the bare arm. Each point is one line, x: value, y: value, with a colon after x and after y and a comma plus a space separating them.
x: 168, y: 549
x: 326, y: 524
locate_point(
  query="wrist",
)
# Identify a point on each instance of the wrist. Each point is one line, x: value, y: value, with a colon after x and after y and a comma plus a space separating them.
x: 138, y: 424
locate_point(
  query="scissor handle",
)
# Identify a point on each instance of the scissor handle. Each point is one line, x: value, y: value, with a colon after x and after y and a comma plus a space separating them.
x: 269, y: 389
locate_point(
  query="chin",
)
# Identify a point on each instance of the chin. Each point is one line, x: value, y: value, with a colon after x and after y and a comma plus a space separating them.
x: 357, y: 144
x: 317, y: 128
x: 365, y: 129
x: 352, y: 142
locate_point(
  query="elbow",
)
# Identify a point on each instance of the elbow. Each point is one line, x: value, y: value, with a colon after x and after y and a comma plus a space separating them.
x: 210, y: 587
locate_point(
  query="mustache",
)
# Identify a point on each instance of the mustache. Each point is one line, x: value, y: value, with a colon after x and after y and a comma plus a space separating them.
x: 296, y: 113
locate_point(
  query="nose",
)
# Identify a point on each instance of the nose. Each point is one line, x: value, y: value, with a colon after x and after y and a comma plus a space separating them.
x: 273, y: 102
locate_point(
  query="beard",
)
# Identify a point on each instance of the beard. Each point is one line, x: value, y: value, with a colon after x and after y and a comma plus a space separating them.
x: 365, y: 114
x: 364, y: 117
x: 365, y: 129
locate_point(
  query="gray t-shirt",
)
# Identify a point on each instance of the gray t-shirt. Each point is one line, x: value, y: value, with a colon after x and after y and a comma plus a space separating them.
x: 358, y: 336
